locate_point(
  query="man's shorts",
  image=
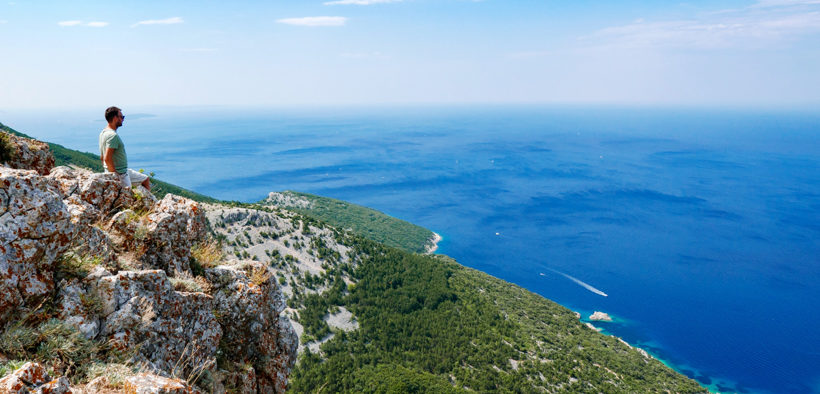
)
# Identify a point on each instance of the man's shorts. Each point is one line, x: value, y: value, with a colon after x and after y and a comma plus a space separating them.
x: 132, y: 177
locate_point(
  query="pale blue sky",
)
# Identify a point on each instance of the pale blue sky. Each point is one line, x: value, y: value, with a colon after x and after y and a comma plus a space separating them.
x: 282, y: 53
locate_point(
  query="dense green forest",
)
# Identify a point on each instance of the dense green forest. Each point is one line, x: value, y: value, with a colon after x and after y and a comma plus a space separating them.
x: 64, y: 156
x: 366, y: 222
x: 425, y: 320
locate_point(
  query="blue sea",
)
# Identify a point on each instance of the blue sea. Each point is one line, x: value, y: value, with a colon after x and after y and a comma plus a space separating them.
x: 702, y: 227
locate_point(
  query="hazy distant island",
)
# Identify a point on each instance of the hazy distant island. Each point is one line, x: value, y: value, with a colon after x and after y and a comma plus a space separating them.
x: 372, y: 310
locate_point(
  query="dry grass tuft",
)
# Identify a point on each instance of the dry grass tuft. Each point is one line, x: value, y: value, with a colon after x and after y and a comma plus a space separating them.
x: 260, y: 276
x: 71, y: 265
x: 187, y: 285
x: 208, y: 253
x: 92, y: 303
x: 114, y: 373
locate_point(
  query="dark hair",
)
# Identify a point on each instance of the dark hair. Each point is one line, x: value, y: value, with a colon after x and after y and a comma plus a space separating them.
x: 111, y: 113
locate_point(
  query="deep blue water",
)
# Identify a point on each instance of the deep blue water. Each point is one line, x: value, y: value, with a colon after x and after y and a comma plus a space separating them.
x: 702, y: 227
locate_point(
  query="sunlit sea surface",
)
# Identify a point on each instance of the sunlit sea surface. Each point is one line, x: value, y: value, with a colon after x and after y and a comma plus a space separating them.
x: 702, y: 227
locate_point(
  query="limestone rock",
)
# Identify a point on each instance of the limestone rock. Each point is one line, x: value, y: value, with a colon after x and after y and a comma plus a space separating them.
x: 29, y: 154
x: 242, y: 381
x: 168, y: 333
x: 141, y: 308
x: 248, y: 301
x: 26, y: 378
x: 60, y: 385
x: 146, y: 383
x: 94, y: 242
x: 102, y: 191
x: 143, y: 199
x: 173, y: 226
x: 599, y: 316
x: 35, y: 227
x: 80, y: 307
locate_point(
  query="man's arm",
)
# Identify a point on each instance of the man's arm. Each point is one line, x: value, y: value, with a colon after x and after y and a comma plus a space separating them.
x: 108, y: 160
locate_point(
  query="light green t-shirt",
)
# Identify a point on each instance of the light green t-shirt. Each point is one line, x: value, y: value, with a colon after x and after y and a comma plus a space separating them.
x: 110, y: 139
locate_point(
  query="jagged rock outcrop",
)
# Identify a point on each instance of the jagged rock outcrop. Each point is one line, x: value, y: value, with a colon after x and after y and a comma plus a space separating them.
x: 33, y: 378
x: 173, y: 226
x: 43, y: 216
x: 35, y: 227
x: 117, y: 255
x: 249, y: 304
x: 141, y: 308
x: 28, y: 154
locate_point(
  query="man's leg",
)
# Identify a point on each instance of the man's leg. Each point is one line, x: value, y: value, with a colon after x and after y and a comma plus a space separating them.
x: 125, y: 180
x: 139, y: 178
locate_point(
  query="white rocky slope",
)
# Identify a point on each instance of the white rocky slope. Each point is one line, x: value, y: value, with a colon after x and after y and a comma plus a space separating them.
x: 94, y: 278
x: 304, y: 255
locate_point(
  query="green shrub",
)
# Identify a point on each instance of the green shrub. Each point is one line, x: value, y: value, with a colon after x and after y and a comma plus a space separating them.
x: 7, y: 149
x: 71, y: 265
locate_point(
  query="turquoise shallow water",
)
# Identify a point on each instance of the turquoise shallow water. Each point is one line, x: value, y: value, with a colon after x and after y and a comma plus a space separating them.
x: 701, y: 227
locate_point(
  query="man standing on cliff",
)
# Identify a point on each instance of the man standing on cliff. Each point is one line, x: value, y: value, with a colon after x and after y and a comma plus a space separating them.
x: 112, y: 151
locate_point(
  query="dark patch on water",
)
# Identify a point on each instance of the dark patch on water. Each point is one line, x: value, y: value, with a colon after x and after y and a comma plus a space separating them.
x: 704, y: 379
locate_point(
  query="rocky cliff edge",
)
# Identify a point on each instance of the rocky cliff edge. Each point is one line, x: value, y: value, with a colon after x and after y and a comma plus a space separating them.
x: 108, y: 288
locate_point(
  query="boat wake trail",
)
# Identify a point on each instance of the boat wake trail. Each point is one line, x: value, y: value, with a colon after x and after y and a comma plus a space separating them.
x: 579, y: 282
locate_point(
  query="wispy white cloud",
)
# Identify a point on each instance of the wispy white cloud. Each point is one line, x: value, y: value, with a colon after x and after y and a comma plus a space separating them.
x: 768, y: 22
x: 315, y: 21
x: 3, y: 21
x: 360, y: 2
x: 81, y: 23
x: 168, y: 21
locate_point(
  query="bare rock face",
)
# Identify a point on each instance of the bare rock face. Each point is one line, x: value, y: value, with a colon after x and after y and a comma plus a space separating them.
x: 248, y: 301
x: 33, y: 378
x: 173, y: 226
x: 90, y: 199
x: 101, y: 191
x: 29, y: 154
x: 35, y: 227
x: 600, y: 316
x: 96, y: 227
x: 143, y: 199
x: 242, y: 381
x: 80, y: 306
x: 142, y: 308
